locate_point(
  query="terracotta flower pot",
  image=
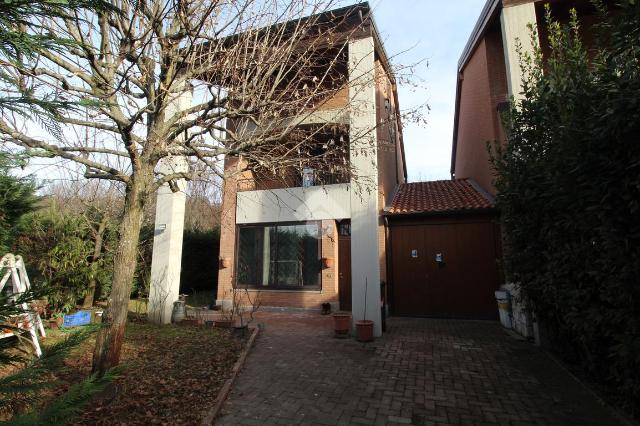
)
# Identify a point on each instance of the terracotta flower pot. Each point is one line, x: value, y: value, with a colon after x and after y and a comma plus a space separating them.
x: 342, y: 324
x: 327, y: 262
x: 225, y: 263
x: 364, y: 330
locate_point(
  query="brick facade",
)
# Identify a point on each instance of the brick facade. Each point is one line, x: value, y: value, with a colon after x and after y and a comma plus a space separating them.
x: 391, y: 171
x: 483, y: 89
x: 306, y: 299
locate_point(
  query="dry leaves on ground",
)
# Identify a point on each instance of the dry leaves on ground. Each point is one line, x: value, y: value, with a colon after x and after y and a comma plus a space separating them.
x: 172, y: 376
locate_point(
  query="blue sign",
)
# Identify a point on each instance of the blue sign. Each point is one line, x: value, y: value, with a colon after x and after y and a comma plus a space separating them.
x: 79, y: 318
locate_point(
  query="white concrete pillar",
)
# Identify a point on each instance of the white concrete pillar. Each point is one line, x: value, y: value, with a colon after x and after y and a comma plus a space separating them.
x: 365, y: 255
x: 169, y: 226
x: 514, y: 21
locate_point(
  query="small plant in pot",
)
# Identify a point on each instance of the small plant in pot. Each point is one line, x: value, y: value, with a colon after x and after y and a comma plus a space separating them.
x: 364, y: 327
x: 245, y: 311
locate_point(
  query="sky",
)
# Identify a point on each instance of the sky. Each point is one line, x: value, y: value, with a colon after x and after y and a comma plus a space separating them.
x: 435, y: 31
x: 432, y: 34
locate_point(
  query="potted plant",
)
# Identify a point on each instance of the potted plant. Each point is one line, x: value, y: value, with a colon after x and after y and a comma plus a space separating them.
x: 364, y: 327
x: 341, y: 324
x: 227, y: 315
x: 245, y: 311
x: 364, y: 330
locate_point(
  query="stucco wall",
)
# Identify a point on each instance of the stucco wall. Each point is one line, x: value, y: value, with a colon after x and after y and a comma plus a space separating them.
x: 294, y: 204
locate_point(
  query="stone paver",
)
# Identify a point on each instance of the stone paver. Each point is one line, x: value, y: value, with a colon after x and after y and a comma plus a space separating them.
x: 422, y: 372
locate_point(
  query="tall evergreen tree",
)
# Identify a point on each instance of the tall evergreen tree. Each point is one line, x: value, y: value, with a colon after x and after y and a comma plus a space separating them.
x: 17, y: 197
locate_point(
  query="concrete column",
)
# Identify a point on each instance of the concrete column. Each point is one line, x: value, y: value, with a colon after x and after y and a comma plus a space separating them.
x: 365, y: 255
x: 514, y: 21
x: 167, y: 240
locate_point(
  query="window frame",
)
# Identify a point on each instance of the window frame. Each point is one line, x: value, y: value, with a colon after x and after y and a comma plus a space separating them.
x: 259, y: 287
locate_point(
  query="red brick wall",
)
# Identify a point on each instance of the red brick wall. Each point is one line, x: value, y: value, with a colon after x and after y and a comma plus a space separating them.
x: 483, y: 87
x: 282, y: 298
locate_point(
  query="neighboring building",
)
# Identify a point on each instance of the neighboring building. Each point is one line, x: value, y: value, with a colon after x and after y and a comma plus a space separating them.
x: 489, y: 75
x: 312, y: 238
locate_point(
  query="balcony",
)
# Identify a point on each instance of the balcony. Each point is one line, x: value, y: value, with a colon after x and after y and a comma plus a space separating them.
x: 307, y: 178
x: 275, y: 201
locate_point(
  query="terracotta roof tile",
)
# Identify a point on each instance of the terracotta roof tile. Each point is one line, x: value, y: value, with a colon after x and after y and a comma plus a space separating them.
x: 438, y: 197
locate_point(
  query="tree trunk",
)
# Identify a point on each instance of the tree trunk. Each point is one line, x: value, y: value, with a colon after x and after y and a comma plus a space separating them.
x: 110, y: 337
x: 97, y: 251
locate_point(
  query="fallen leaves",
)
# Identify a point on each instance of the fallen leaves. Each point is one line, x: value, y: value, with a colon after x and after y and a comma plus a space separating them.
x: 172, y: 376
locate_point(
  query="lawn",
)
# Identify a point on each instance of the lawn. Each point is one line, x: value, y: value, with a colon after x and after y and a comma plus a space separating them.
x: 172, y: 374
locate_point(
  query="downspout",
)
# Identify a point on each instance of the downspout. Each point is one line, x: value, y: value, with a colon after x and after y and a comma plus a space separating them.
x: 456, y: 121
x: 389, y: 286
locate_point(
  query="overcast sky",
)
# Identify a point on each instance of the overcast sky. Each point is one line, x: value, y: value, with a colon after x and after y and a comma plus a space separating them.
x: 436, y: 31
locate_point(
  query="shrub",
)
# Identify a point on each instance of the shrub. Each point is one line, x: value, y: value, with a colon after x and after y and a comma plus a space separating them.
x: 58, y: 250
x: 568, y: 181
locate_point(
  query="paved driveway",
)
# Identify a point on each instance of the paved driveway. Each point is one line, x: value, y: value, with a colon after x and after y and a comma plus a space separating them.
x: 422, y: 372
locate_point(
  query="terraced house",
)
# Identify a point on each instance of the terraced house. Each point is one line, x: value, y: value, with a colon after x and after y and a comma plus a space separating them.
x: 309, y: 235
x: 365, y: 241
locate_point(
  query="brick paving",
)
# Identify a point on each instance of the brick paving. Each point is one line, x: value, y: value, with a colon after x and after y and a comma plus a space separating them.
x: 422, y: 372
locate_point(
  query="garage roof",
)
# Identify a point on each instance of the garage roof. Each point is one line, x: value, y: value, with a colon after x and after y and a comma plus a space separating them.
x: 440, y: 196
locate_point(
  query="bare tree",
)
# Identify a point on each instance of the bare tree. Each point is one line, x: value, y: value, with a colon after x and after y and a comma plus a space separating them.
x: 197, y: 79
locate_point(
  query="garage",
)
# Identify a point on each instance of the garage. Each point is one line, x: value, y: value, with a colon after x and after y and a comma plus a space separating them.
x: 444, y: 252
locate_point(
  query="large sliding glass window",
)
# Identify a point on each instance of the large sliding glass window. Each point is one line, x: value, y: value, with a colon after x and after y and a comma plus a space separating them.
x: 282, y: 256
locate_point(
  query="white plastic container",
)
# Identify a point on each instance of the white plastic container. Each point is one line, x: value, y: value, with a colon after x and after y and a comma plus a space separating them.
x: 504, y: 307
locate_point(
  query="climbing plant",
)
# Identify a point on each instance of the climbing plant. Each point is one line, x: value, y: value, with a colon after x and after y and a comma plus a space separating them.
x: 568, y: 181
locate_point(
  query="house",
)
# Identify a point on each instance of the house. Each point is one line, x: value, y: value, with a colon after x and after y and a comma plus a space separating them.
x: 365, y: 241
x: 427, y: 249
x: 489, y: 75
x: 310, y: 237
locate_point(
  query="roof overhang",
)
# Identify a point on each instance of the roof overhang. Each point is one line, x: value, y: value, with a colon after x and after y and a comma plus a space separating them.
x: 456, y: 212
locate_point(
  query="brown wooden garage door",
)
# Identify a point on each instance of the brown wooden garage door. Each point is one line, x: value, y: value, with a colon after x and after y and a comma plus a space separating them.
x: 461, y: 286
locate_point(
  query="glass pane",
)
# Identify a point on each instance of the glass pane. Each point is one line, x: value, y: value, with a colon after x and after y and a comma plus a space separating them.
x: 253, y: 259
x: 286, y: 256
x: 298, y: 255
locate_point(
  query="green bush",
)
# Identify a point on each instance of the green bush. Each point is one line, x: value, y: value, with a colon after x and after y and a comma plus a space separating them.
x: 17, y: 197
x: 568, y: 182
x: 58, y: 250
x: 200, y: 260
x: 199, y: 268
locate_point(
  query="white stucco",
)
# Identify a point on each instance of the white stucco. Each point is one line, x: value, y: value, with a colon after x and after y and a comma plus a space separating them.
x: 167, y: 240
x: 515, y: 21
x: 365, y: 254
x: 294, y: 204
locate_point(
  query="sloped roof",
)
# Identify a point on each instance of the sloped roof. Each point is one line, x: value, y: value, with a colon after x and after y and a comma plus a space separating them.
x: 441, y: 196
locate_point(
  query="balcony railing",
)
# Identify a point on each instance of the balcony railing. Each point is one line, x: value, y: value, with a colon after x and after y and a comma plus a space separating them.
x: 306, y: 178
